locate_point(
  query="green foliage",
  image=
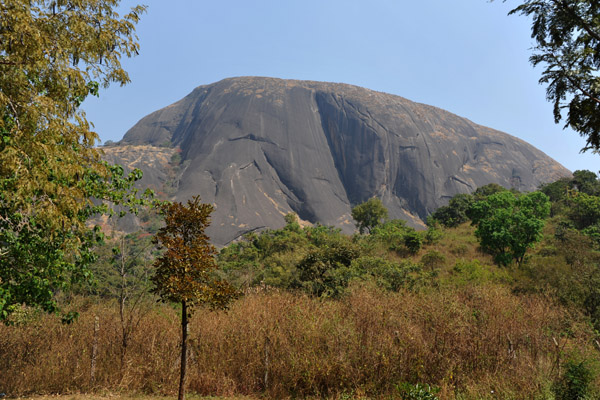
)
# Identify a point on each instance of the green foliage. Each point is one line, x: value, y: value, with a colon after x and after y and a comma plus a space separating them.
x: 413, y: 241
x: 574, y: 383
x: 455, y: 213
x: 292, y: 224
x: 369, y: 214
x: 325, y: 270
x: 586, y: 182
x: 474, y: 272
x: 433, y: 259
x: 52, y: 56
x: 418, y: 391
x: 567, y: 34
x: 507, y: 224
x: 395, y: 235
x: 124, y: 266
x: 557, y: 191
x: 387, y: 274
x: 570, y: 270
x: 576, y: 198
x: 485, y: 191
x: 321, y: 261
x: 271, y: 257
x: 584, y: 210
x: 433, y: 234
x: 39, y: 259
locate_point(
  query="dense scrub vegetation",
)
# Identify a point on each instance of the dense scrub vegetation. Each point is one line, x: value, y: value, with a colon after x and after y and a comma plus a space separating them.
x: 395, y: 312
x: 466, y: 341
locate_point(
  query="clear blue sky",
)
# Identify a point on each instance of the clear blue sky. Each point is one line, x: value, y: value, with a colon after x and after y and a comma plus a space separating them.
x: 465, y: 56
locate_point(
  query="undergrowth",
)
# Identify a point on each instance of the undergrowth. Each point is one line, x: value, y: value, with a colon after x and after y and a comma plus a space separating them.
x: 467, y: 342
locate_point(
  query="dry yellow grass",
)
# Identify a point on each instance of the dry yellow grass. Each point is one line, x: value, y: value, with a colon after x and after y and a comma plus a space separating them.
x: 80, y: 396
x: 469, y: 340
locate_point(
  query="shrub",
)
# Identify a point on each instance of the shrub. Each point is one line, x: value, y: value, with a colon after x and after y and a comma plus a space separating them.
x: 433, y: 234
x: 433, y: 259
x: 413, y: 241
x: 418, y: 391
x: 455, y: 213
x: 574, y: 382
x: 387, y: 274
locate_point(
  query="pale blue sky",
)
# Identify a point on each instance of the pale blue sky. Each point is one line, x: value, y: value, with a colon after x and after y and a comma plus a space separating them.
x: 465, y: 56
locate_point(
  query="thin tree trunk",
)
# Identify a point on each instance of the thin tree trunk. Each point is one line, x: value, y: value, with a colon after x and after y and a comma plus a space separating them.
x: 122, y: 303
x: 184, y: 334
x: 94, y: 351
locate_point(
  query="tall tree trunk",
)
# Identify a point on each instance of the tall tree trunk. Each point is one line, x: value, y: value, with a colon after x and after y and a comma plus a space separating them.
x: 122, y: 304
x: 184, y: 334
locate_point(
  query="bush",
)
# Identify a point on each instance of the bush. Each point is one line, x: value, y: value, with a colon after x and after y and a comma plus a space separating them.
x: 455, y: 213
x: 413, y: 241
x: 418, y: 391
x: 433, y: 260
x: 433, y: 234
x: 574, y: 382
x: 387, y: 274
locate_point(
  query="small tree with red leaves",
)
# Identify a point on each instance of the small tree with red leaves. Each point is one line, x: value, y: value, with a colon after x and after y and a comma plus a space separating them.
x: 185, y: 273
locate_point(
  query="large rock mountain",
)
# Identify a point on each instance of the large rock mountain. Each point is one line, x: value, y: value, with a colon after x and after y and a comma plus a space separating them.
x: 259, y: 148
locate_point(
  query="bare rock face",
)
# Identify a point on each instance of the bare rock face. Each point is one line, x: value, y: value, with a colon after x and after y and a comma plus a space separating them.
x: 259, y: 148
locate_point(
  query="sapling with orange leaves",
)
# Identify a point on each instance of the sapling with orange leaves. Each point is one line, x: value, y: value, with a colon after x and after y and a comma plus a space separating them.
x: 186, y: 272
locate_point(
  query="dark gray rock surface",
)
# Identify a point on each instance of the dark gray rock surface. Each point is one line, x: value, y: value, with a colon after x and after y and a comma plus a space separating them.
x: 259, y: 148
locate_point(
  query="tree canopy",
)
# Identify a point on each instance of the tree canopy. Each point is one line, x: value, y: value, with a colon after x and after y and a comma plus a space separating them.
x: 509, y: 224
x: 52, y: 55
x: 567, y: 35
x: 369, y: 214
x: 185, y: 271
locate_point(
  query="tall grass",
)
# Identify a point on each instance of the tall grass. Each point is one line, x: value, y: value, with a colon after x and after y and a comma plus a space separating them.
x: 468, y: 342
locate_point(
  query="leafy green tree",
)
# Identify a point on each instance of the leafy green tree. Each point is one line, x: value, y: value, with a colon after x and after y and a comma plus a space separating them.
x: 369, y: 214
x: 584, y: 210
x: 53, y: 54
x: 487, y: 190
x: 413, y: 241
x: 185, y: 273
x: 324, y: 271
x: 37, y: 259
x: 557, y: 192
x: 509, y: 224
x: 567, y: 35
x: 586, y: 182
x: 455, y: 213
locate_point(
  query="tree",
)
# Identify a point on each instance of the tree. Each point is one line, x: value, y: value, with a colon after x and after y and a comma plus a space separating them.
x: 324, y: 271
x: 39, y: 258
x: 567, y: 34
x: 185, y: 273
x: 369, y: 214
x: 484, y: 191
x: 509, y: 224
x: 455, y: 213
x: 586, y: 182
x: 52, y: 55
